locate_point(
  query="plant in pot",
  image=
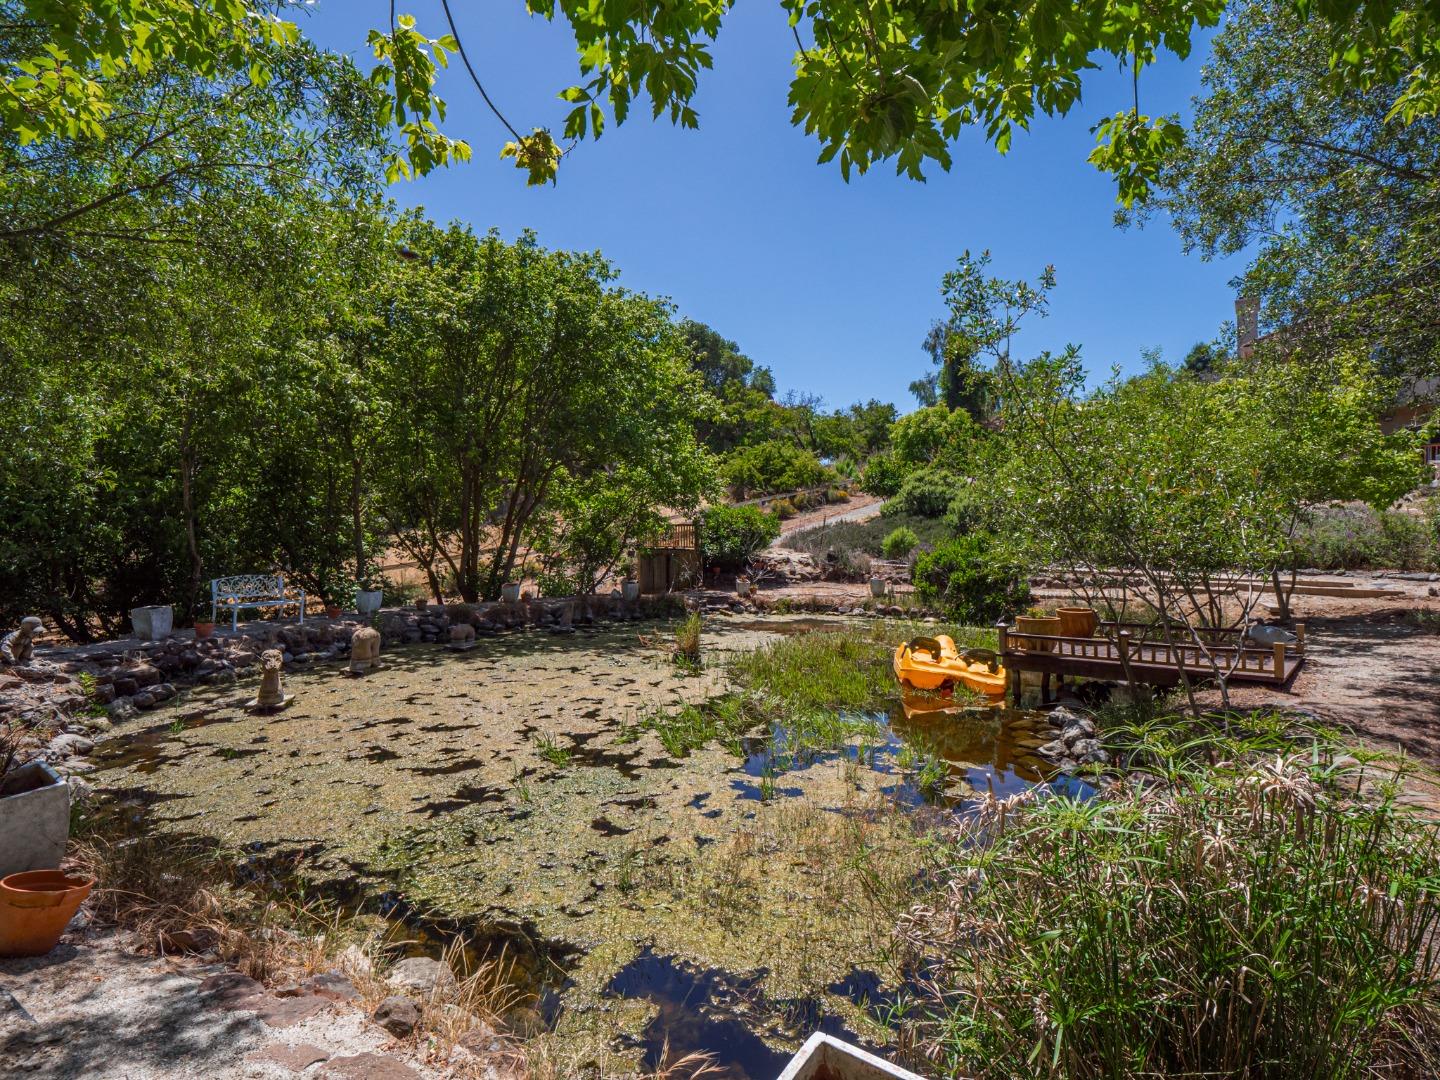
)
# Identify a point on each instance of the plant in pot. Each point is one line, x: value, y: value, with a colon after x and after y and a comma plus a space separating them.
x: 1036, y: 621
x: 204, y: 619
x: 369, y: 594
x: 331, y: 588
x: 629, y: 584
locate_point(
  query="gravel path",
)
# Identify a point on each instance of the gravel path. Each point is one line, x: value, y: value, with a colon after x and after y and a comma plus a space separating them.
x: 95, y: 1009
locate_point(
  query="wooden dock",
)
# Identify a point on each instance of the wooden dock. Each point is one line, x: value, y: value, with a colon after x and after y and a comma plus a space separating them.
x: 1132, y: 652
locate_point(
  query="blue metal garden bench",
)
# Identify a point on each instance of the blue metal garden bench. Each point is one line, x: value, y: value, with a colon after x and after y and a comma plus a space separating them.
x: 250, y: 590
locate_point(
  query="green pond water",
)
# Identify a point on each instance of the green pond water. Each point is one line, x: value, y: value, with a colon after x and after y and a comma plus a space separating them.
x: 708, y: 899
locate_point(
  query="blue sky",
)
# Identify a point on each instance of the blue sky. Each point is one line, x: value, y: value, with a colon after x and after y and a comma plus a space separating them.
x: 833, y: 285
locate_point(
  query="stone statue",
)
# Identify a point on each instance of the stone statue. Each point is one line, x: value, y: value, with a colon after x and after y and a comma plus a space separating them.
x: 17, y: 647
x: 462, y: 636
x: 272, y: 694
x: 364, y: 650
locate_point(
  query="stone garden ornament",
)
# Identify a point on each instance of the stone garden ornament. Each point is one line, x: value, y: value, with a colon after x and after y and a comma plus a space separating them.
x: 18, y: 646
x: 364, y: 650
x: 271, y: 696
x: 462, y: 637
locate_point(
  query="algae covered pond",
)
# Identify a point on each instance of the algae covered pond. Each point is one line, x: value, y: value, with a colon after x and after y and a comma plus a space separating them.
x: 728, y: 894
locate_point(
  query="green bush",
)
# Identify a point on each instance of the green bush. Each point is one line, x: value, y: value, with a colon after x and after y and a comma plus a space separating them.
x: 830, y: 543
x: 1245, y: 919
x: 729, y: 535
x: 899, y: 543
x: 884, y: 473
x: 927, y: 493
x: 773, y: 466
x: 1357, y: 538
x: 970, y: 580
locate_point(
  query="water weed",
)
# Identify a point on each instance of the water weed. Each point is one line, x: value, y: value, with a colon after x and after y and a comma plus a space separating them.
x: 1243, y: 915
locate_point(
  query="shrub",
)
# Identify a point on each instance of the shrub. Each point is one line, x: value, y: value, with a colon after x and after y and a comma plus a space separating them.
x: 729, y: 535
x: 884, y: 473
x: 927, y: 493
x: 899, y: 543
x: 783, y: 509
x: 970, y: 580
x: 1241, y: 920
x: 831, y: 543
x: 1357, y: 538
x: 773, y: 466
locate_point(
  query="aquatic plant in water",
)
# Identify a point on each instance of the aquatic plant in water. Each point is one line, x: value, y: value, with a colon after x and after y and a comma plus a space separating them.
x: 1244, y: 918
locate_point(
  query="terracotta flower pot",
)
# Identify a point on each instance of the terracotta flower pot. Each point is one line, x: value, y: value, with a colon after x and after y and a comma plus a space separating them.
x: 1036, y: 624
x: 332, y: 611
x: 203, y: 629
x: 35, y: 908
x: 1077, y: 621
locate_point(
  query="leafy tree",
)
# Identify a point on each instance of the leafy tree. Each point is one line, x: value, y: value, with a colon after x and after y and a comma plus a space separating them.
x: 527, y: 373
x: 900, y: 83
x: 770, y: 467
x: 1341, y: 198
x: 730, y: 535
x: 1201, y: 359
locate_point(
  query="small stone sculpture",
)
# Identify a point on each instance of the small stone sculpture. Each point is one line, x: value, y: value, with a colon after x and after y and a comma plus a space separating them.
x: 462, y: 636
x: 364, y: 650
x: 17, y: 647
x: 272, y: 694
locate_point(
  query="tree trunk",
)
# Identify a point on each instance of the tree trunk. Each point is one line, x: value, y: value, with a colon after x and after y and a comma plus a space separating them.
x: 187, y: 500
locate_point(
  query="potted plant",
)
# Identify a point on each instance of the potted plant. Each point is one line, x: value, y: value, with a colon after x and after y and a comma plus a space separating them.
x: 1077, y: 621
x: 368, y: 596
x: 877, y: 587
x: 203, y: 629
x: 1036, y: 621
x: 629, y: 584
x: 331, y: 586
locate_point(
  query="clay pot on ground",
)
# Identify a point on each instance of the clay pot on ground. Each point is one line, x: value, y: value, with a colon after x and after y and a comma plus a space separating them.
x: 367, y: 601
x: 1035, y: 624
x: 630, y: 589
x: 203, y: 629
x: 1077, y: 621
x: 35, y: 908
x: 742, y: 586
x: 332, y: 611
x: 877, y: 586
x: 510, y: 592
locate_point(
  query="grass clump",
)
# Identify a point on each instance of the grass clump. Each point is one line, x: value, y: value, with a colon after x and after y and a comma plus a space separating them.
x: 687, y: 642
x: 1245, y: 918
x: 725, y: 718
x: 551, y: 750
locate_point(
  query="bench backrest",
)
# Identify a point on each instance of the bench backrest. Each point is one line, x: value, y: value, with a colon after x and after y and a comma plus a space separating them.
x: 249, y: 586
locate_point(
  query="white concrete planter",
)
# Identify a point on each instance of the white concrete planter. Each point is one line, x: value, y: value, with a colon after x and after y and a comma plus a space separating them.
x: 742, y: 586
x: 824, y: 1057
x: 630, y: 590
x: 877, y: 586
x: 367, y: 601
x: 154, y: 622
x: 34, y: 819
x: 510, y: 593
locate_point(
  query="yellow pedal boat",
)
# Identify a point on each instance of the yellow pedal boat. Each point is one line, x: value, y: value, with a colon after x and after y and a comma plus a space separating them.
x: 936, y: 664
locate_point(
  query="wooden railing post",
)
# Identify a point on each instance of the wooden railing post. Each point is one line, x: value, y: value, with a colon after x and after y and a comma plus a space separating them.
x: 1299, y: 637
x: 1279, y: 659
x: 1002, y: 635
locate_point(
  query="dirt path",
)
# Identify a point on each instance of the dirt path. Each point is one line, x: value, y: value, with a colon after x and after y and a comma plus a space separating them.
x: 858, y: 508
x: 94, y: 1008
